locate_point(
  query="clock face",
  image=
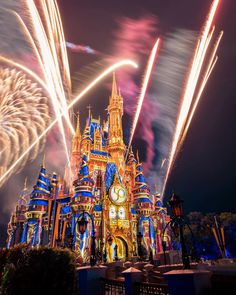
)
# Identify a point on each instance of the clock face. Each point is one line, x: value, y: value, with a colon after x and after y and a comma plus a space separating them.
x: 118, y: 194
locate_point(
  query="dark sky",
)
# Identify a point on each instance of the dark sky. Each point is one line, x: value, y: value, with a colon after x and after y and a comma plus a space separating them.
x: 204, y: 173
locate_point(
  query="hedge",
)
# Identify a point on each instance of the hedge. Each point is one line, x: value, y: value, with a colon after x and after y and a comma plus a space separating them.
x: 44, y: 270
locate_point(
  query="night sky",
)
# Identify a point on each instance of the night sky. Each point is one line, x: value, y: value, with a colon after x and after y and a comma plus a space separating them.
x: 204, y: 173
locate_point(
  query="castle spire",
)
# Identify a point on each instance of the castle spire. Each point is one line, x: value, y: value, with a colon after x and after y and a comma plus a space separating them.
x: 131, y: 158
x: 114, y: 86
x: 89, y: 113
x: 137, y: 156
x: 43, y: 161
x: 77, y: 132
x: 116, y: 146
x: 77, y: 137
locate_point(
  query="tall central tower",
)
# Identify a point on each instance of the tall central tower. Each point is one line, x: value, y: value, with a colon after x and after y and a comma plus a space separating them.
x: 116, y: 146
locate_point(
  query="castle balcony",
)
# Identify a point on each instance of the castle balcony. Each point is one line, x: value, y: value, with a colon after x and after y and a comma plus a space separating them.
x: 120, y: 223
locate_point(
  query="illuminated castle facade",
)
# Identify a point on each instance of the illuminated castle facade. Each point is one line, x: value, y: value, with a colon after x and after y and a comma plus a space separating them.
x: 102, y: 207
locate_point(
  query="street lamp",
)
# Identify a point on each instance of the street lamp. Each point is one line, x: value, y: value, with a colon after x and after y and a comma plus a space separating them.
x: 177, y: 221
x: 176, y: 205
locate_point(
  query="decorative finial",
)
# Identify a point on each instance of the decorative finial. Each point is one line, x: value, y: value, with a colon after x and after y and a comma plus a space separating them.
x: 114, y: 87
x: 25, y: 184
x: 89, y: 110
x: 156, y: 190
x: 78, y: 125
x: 137, y: 156
x: 43, y: 161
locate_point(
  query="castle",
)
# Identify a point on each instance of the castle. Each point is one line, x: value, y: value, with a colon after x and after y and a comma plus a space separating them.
x: 103, y: 206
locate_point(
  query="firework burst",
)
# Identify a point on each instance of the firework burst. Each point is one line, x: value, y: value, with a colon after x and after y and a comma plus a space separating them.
x: 23, y: 116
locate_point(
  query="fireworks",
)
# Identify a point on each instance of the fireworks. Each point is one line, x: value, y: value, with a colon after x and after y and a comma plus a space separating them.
x: 193, y: 90
x: 23, y: 117
x: 79, y: 48
x: 63, y: 112
x: 52, y: 56
x: 46, y: 38
x: 143, y: 90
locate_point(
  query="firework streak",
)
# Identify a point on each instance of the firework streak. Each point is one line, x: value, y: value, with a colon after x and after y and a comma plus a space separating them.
x: 194, y: 86
x: 81, y: 48
x: 146, y: 79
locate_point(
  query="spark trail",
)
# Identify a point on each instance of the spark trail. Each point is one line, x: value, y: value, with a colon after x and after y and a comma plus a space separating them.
x: 146, y: 79
x: 192, y: 93
x: 63, y: 112
x: 52, y: 56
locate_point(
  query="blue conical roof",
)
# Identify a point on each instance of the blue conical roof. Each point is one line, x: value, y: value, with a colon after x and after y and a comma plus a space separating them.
x: 43, y: 183
x: 84, y: 170
x: 83, y: 177
x: 140, y: 180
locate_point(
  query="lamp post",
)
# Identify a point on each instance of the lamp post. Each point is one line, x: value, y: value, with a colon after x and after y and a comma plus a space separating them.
x: 82, y: 227
x: 176, y: 205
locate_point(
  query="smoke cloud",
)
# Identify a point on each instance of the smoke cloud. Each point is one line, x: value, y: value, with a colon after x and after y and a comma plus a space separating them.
x: 165, y: 94
x: 134, y: 39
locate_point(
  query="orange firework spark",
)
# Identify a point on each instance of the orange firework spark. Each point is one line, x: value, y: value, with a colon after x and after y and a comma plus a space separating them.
x: 63, y: 112
x: 191, y: 94
x: 146, y: 79
x: 48, y: 44
x: 49, y: 49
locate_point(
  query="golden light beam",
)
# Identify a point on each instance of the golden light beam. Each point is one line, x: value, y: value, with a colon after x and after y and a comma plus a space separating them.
x: 211, y: 64
x: 39, y: 59
x: 49, y: 56
x: 192, y: 81
x: 146, y: 79
x: 74, y: 101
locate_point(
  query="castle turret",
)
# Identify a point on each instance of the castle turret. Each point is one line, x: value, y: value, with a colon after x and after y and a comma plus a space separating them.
x: 39, y: 196
x: 16, y: 224
x: 143, y: 203
x: 83, y: 198
x: 160, y: 220
x: 116, y: 145
x: 37, y: 207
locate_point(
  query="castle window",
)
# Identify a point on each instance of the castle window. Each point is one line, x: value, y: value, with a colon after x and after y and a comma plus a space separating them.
x: 112, y: 212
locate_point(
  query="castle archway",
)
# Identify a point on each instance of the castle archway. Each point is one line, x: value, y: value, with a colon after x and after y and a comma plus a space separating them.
x: 122, y: 248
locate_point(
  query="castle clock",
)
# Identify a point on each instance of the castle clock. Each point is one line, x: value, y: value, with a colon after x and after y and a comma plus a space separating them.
x: 118, y: 194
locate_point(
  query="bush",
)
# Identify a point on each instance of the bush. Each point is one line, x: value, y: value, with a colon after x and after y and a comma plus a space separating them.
x: 3, y: 259
x: 38, y: 271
